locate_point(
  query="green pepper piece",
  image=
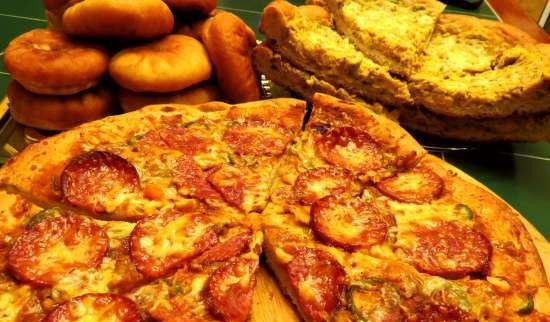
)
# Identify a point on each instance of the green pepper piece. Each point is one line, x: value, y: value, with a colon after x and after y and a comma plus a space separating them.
x: 40, y: 216
x: 528, y: 307
x: 465, y: 211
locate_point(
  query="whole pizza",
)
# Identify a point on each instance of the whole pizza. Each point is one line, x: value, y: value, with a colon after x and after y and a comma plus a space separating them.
x: 163, y: 214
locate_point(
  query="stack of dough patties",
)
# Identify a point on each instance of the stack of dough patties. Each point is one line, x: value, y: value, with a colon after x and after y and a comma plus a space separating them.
x: 453, y: 76
x: 99, y: 55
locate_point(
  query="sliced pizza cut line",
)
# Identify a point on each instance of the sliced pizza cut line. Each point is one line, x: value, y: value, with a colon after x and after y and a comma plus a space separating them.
x: 166, y: 242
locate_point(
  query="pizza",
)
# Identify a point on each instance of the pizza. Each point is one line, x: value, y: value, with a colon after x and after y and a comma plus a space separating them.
x: 166, y: 214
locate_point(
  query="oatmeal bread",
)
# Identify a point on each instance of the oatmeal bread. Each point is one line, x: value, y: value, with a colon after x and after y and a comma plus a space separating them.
x: 313, y: 46
x: 391, y: 33
x: 490, y: 71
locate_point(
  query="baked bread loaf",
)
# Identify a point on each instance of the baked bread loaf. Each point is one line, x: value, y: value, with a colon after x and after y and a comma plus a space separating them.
x: 229, y: 42
x: 314, y: 47
x: 480, y: 69
x: 118, y: 19
x: 284, y: 74
x: 198, y: 94
x: 48, y: 62
x: 58, y: 113
x: 514, y: 128
x: 170, y: 64
x: 530, y: 128
x: 391, y: 33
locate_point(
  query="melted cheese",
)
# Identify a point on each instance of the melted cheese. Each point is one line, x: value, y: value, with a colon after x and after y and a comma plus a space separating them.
x: 13, y: 299
x: 80, y: 282
x: 175, y: 238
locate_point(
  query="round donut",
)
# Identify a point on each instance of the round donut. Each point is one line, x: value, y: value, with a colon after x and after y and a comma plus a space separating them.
x: 166, y: 65
x: 58, y: 113
x: 198, y: 94
x: 229, y: 42
x: 118, y: 19
x: 203, y: 6
x: 47, y: 62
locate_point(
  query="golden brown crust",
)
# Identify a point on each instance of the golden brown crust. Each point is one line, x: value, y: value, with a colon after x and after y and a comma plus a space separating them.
x: 229, y: 42
x: 47, y: 62
x: 203, y: 6
x: 170, y: 64
x: 58, y: 113
x: 144, y: 19
x: 383, y: 130
x: 198, y: 94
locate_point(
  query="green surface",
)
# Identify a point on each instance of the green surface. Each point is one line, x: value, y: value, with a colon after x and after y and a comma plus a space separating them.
x: 519, y: 173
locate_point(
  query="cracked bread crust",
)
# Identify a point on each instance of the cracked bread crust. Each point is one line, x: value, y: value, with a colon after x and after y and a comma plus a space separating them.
x: 391, y: 33
x: 482, y: 69
x: 313, y: 46
x: 281, y: 72
x: 530, y: 128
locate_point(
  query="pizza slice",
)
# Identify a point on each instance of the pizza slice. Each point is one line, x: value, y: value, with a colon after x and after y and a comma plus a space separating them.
x: 335, y: 231
x: 161, y: 157
x: 329, y: 284
x: 218, y: 285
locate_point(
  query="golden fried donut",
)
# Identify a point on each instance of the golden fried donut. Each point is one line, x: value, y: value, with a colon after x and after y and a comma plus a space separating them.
x: 118, y: 19
x: 198, y: 94
x: 229, y: 42
x: 49, y: 112
x: 204, y: 6
x: 166, y: 65
x: 47, y: 62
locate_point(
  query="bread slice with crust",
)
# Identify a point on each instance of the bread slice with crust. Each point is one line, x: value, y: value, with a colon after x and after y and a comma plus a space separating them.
x: 482, y: 69
x: 313, y: 46
x: 530, y: 128
x: 391, y: 33
x: 280, y: 71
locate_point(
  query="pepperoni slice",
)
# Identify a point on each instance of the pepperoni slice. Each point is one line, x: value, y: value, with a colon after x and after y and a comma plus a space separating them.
x: 96, y: 307
x: 94, y: 177
x: 317, y: 183
x: 183, y: 140
x: 257, y: 138
x: 229, y: 182
x: 54, y: 247
x: 349, y: 223
x: 233, y: 246
x: 417, y: 186
x: 163, y: 243
x: 351, y: 149
x: 229, y: 290
x: 318, y: 281
x: 439, y: 313
x: 191, y: 180
x: 450, y: 250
